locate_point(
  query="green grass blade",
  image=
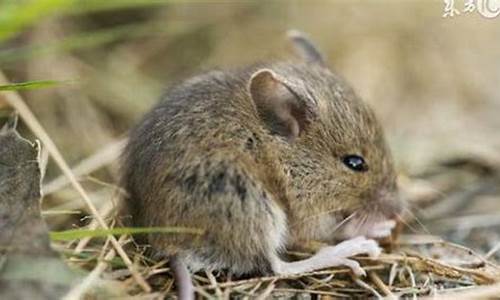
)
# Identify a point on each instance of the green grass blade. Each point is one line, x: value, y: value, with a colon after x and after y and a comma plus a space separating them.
x: 74, y: 234
x: 29, y: 85
x: 92, y: 6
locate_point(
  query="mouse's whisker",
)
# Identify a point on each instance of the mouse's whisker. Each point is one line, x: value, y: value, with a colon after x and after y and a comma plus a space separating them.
x: 344, y: 221
x: 417, y: 220
x: 315, y: 216
x: 402, y: 220
x: 359, y: 225
x: 371, y: 219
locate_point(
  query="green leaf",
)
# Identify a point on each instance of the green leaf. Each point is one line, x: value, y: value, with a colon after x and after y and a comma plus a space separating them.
x: 74, y: 234
x: 15, y: 15
x: 29, y: 85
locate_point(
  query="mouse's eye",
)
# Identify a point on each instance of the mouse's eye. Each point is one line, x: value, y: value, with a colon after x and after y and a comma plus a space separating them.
x: 355, y: 163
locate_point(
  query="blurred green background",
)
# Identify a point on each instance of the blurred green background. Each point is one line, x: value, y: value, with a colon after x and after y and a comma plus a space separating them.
x: 433, y: 81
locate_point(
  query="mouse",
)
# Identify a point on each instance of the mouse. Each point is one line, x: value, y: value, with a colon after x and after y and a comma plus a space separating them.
x: 262, y: 158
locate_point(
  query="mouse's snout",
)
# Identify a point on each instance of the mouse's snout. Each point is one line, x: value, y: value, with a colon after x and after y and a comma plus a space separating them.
x: 390, y: 203
x: 377, y: 219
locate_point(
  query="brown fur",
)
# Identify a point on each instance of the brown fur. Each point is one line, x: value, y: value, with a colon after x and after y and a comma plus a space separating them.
x: 207, y: 157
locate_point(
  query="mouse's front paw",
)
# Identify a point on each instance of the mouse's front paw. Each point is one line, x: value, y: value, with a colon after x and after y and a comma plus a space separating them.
x: 353, y: 247
x: 340, y: 253
x: 331, y: 256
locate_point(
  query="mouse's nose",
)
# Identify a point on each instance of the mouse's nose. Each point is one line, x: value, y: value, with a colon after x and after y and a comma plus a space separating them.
x: 391, y: 204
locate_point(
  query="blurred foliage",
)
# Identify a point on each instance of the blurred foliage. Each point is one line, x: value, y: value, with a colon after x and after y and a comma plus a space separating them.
x: 16, y: 15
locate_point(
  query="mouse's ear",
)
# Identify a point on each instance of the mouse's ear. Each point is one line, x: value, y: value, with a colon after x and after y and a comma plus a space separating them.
x: 278, y: 105
x: 305, y: 48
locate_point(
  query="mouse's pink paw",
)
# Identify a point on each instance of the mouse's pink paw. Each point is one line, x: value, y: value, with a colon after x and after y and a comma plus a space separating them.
x: 353, y: 247
x: 331, y: 256
x: 339, y: 254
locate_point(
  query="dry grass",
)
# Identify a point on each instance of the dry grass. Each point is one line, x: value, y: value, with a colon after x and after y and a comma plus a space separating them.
x: 433, y: 82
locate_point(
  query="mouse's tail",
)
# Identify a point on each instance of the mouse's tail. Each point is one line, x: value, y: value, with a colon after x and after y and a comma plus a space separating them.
x: 185, y: 288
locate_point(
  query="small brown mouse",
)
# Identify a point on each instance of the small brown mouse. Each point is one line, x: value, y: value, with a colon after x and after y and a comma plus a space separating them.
x: 262, y: 158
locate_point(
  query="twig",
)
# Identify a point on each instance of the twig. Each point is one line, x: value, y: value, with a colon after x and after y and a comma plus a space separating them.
x: 482, y: 292
x: 381, y: 285
x: 366, y: 286
x: 492, y: 251
x: 102, y: 157
x: 77, y: 292
x: 313, y: 292
x: 203, y: 293
x: 412, y: 280
x: 267, y: 292
x: 15, y: 101
x: 469, y: 252
x: 392, y: 273
x: 280, y: 277
x: 213, y: 282
x: 421, y: 263
x: 108, y: 206
x: 252, y: 291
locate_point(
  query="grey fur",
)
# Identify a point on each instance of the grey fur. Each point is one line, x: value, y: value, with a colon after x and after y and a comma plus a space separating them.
x: 29, y: 268
x: 204, y: 157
